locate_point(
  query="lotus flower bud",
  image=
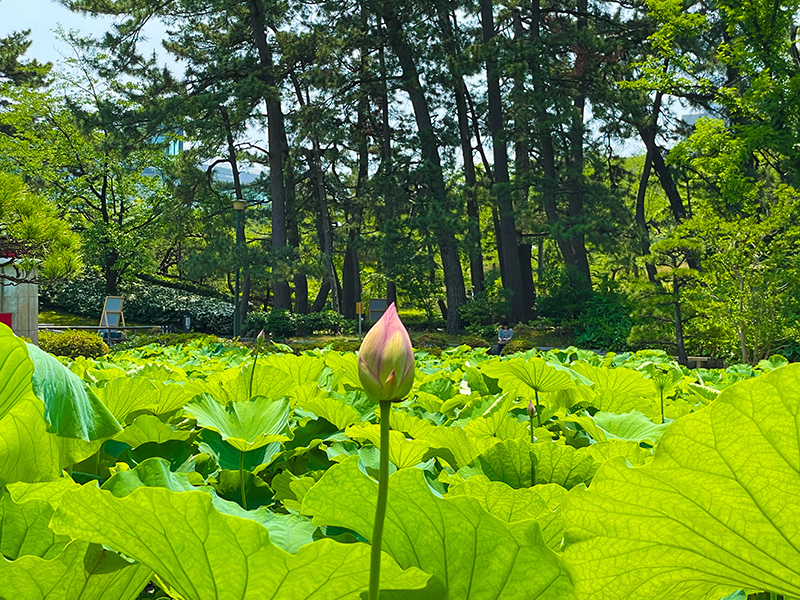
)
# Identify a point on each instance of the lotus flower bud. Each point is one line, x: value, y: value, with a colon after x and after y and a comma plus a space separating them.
x: 260, y: 338
x: 531, y: 410
x: 386, y: 359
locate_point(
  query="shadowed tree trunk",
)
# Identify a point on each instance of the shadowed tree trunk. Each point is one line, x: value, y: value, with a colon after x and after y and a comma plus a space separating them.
x: 438, y: 209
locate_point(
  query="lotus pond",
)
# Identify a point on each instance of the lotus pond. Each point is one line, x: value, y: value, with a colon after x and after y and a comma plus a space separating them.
x: 188, y: 472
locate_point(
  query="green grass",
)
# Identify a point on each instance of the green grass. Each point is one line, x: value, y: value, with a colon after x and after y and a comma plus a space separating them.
x: 53, y: 316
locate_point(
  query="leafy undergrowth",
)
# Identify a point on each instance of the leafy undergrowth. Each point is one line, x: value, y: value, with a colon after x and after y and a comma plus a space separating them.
x: 187, y: 472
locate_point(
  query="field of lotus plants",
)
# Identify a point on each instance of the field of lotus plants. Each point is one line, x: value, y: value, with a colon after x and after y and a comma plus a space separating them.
x: 217, y: 472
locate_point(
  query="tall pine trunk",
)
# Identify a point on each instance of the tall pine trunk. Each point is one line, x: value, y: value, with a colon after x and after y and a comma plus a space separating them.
x: 277, y: 151
x: 438, y: 209
x: 473, y: 240
x: 501, y: 187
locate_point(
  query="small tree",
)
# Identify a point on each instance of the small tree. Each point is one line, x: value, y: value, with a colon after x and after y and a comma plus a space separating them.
x: 665, y: 307
x: 41, y: 239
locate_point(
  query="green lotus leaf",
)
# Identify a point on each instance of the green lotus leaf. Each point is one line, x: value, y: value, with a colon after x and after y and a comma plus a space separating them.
x: 82, y: 571
x: 510, y: 505
x: 407, y: 423
x: 25, y: 530
x: 618, y: 390
x: 300, y: 369
x: 127, y: 396
x: 71, y: 409
x: 29, y: 452
x: 456, y: 446
x: 715, y: 511
x: 319, y: 402
x: 629, y: 426
x: 149, y: 428
x: 229, y: 457
x: 475, y: 554
x: 344, y: 367
x: 521, y: 464
x: 629, y: 450
x: 525, y: 378
x: 244, y: 425
x: 402, y: 451
x: 204, y: 554
x: 16, y: 370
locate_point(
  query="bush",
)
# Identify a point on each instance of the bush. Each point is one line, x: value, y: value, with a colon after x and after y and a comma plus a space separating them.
x: 73, y: 343
x: 147, y: 304
x: 280, y: 323
x: 485, y: 309
x: 604, y: 322
x: 327, y: 322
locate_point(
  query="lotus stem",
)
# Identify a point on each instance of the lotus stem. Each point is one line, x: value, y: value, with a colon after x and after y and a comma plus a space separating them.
x: 241, y: 479
x: 380, y: 509
x: 661, y: 392
x: 253, y: 368
x: 538, y: 412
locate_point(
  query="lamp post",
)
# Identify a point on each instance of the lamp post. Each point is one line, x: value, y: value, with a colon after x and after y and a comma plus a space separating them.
x: 238, y: 209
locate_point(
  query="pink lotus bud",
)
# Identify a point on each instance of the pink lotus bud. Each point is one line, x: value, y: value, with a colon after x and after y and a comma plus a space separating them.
x: 531, y: 410
x: 386, y: 359
x: 260, y: 337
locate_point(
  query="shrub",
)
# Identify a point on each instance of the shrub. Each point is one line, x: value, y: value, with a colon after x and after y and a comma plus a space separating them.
x: 73, y: 343
x: 604, y: 322
x: 327, y: 322
x: 280, y: 323
x: 485, y: 309
x: 147, y: 304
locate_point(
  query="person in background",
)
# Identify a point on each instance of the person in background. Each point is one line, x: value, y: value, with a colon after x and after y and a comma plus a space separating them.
x: 504, y: 335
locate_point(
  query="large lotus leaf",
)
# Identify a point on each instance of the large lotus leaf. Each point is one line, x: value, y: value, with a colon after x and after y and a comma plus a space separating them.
x: 310, y: 397
x: 629, y: 450
x: 288, y: 532
x: 244, y: 425
x: 477, y: 555
x: 618, y: 390
x: 49, y: 491
x: 495, y: 421
x: 149, y: 428
x: 345, y: 368
x: 715, y: 511
x: 456, y: 446
x: 229, y: 457
x: 408, y: 423
x: 510, y: 505
x: 71, y: 409
x: 25, y: 531
x: 521, y: 464
x: 81, y: 572
x: 629, y: 426
x: 206, y: 555
x: 28, y: 452
x: 402, y: 452
x: 300, y: 369
x: 129, y: 395
x: 521, y: 377
x: 16, y: 370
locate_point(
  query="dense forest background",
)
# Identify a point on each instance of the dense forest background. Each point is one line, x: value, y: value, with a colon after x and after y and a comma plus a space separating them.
x: 626, y: 168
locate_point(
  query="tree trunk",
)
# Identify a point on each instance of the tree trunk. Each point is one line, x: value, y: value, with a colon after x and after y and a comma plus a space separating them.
x: 501, y: 188
x: 676, y: 301
x: 473, y: 240
x: 439, y: 212
x: 277, y: 152
x: 322, y: 296
x: 572, y: 251
x: 578, y: 263
x: 386, y: 175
